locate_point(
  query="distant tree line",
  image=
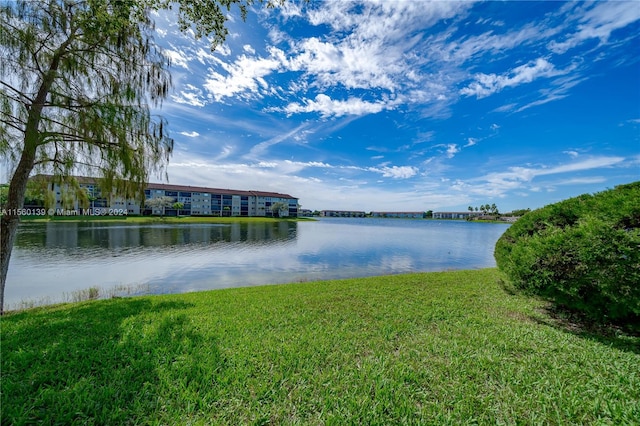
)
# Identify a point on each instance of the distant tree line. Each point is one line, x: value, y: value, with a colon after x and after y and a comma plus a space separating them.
x: 485, y: 209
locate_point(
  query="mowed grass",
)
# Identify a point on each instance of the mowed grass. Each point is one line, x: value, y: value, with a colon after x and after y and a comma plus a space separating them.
x: 434, y: 348
x: 161, y: 219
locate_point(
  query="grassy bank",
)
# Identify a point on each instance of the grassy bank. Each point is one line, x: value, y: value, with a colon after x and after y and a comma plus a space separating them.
x: 157, y: 219
x: 443, y: 348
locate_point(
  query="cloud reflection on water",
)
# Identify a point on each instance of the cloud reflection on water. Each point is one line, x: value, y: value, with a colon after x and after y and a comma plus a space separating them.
x: 55, y: 258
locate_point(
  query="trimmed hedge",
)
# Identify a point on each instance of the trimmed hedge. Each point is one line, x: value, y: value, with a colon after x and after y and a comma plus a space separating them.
x: 582, y: 253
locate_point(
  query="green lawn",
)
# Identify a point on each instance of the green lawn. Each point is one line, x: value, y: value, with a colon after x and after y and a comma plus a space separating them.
x: 435, y: 348
x: 157, y: 219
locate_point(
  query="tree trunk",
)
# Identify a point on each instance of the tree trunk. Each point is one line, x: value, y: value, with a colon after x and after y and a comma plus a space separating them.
x: 11, y: 219
x: 18, y: 185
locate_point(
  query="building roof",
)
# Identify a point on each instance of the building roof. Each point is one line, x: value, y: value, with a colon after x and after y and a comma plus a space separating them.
x: 186, y: 188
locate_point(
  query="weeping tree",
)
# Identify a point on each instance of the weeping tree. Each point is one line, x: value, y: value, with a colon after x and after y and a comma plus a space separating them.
x: 159, y: 203
x: 78, y: 79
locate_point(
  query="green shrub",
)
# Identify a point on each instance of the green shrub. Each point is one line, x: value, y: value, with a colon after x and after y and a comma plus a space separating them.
x: 582, y: 253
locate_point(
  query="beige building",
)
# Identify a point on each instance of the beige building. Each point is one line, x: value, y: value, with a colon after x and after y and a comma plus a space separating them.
x: 195, y: 201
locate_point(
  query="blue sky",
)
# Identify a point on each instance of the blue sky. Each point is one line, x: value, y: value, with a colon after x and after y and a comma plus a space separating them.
x: 412, y: 105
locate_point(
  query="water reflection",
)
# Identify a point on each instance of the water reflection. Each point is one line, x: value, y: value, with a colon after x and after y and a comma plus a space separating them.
x: 386, y: 246
x: 79, y: 235
x: 52, y: 258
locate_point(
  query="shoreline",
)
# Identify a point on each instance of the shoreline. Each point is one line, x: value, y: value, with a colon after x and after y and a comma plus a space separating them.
x: 157, y: 219
x: 100, y: 293
x: 216, y: 219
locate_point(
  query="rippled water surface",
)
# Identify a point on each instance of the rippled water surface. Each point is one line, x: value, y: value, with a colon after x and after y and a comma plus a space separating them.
x: 52, y: 259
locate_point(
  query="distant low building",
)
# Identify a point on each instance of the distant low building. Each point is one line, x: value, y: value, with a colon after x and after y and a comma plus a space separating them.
x: 510, y: 219
x: 342, y: 213
x: 456, y: 215
x: 406, y: 215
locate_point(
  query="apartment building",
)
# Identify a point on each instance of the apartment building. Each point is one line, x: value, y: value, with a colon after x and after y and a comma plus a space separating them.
x: 191, y: 200
x: 202, y: 201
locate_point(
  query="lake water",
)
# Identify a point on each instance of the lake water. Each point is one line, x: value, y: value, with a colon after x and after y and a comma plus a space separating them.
x: 51, y: 260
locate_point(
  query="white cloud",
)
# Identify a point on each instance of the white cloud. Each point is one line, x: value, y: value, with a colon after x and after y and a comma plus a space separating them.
x: 598, y: 23
x: 488, y: 84
x: 223, y: 49
x: 319, y: 164
x: 205, y: 56
x: 193, y: 134
x: 506, y: 108
x: 581, y: 181
x: 471, y: 142
x: 396, y: 172
x: 226, y: 151
x: 244, y: 77
x: 386, y: 46
x: 266, y: 165
x: 499, y: 183
x: 178, y: 57
x: 374, y: 45
x: 289, y: 9
x: 559, y: 89
x: 452, y: 149
x: 473, y: 47
x: 449, y: 150
x: 260, y: 148
x: 588, y: 164
x: 190, y: 95
x: 351, y: 63
x: 388, y: 18
x: 328, y: 107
